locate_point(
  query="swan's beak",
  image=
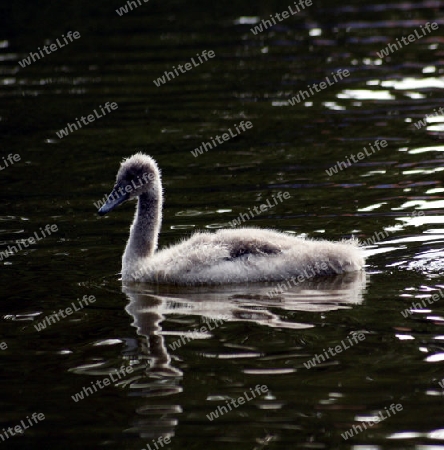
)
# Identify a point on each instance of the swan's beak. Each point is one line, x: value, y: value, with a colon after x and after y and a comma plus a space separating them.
x: 114, y: 200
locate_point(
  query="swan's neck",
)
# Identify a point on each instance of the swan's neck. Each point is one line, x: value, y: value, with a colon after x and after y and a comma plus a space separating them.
x: 144, y: 231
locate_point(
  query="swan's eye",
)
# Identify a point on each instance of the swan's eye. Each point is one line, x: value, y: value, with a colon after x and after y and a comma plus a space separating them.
x: 127, y: 179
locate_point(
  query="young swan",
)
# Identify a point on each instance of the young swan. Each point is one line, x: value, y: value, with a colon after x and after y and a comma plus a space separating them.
x: 226, y: 256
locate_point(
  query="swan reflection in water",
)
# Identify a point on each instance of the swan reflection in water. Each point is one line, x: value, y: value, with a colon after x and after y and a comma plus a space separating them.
x: 149, y: 305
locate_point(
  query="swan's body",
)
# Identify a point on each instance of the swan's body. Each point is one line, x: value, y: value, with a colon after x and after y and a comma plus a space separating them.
x: 226, y: 256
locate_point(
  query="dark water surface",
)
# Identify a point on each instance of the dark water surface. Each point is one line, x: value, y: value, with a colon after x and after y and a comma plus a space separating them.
x: 175, y: 375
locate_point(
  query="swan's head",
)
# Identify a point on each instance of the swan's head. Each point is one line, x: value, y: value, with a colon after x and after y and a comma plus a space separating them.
x: 138, y: 174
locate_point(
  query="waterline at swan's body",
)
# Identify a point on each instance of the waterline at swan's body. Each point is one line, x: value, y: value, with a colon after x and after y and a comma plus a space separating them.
x: 226, y: 256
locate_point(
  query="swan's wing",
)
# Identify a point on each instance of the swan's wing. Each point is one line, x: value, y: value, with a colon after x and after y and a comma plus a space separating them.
x: 241, y: 249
